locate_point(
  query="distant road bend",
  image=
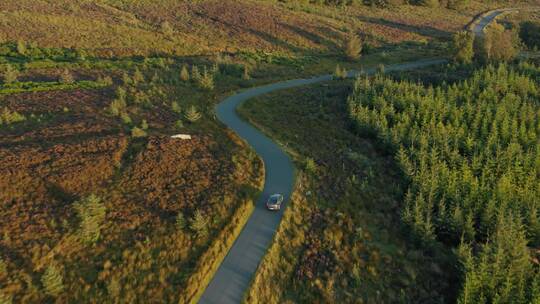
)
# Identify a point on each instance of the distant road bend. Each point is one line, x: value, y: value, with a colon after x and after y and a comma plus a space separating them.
x: 234, y: 275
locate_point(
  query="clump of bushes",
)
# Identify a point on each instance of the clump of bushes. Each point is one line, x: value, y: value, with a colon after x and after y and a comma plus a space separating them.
x: 498, y: 45
x: 8, y: 117
x: 463, y: 47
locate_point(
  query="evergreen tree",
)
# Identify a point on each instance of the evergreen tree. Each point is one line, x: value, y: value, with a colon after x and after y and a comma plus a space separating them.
x: 184, y: 74
x: 21, y: 47
x: 199, y: 224
x: 180, y: 221
x: 206, y: 81
x: 353, y: 47
x: 91, y: 212
x: 192, y: 115
x: 463, y: 47
x: 10, y: 74
x: 66, y: 77
x: 52, y: 280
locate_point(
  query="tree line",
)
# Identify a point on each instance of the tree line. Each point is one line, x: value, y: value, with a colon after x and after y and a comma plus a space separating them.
x: 470, y: 156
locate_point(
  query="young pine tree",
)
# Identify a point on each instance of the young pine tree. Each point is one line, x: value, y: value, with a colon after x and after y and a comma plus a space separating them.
x: 199, y: 224
x: 52, y: 280
x: 91, y: 211
x: 206, y: 81
x: 184, y: 74
x: 66, y: 77
x: 192, y: 115
x: 10, y: 74
x: 353, y: 47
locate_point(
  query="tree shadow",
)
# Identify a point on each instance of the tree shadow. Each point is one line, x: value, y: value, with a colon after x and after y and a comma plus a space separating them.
x: 264, y: 36
x: 422, y: 30
x: 314, y: 38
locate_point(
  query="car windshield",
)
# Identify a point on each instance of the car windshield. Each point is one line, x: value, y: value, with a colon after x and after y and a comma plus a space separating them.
x: 273, y: 199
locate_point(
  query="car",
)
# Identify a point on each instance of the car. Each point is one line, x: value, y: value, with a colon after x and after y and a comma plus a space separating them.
x: 274, y: 201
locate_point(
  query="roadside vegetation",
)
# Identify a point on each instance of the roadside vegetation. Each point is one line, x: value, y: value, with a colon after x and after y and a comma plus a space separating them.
x: 464, y: 186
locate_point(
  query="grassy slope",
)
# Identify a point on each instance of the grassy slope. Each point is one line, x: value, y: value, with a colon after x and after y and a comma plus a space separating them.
x: 203, y: 27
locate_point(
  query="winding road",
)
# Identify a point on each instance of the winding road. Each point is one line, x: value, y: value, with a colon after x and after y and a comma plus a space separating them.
x: 234, y: 275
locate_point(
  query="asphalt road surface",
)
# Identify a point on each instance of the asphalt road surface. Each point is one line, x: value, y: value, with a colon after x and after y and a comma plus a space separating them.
x: 237, y: 269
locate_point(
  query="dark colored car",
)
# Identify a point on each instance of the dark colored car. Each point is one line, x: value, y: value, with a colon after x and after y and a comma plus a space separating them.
x: 274, y: 202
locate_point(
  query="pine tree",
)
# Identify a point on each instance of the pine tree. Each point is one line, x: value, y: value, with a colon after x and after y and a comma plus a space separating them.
x: 195, y: 74
x: 184, y: 74
x: 199, y: 224
x: 192, y: 115
x: 52, y: 280
x: 180, y: 221
x: 66, y: 77
x: 353, y: 47
x: 206, y: 81
x: 91, y: 212
x: 21, y: 47
x: 10, y: 74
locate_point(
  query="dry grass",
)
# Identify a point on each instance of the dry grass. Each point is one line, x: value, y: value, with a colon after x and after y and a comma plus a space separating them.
x: 210, y: 26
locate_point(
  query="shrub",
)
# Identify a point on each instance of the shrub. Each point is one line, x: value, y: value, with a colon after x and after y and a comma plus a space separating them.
x: 125, y: 118
x: 176, y: 107
x: 137, y: 132
x: 66, y: 77
x: 126, y: 80
x: 7, y: 117
x: 184, y: 74
x: 353, y: 47
x: 245, y: 74
x: 144, y: 125
x: 340, y: 73
x: 10, y: 74
x: 21, y: 47
x: 138, y: 77
x: 52, y: 280
x: 107, y: 80
x: 117, y: 107
x: 310, y: 165
x: 114, y: 288
x: 463, y: 47
x: 192, y: 115
x: 180, y: 221
x: 166, y: 28
x: 91, y: 212
x: 199, y: 224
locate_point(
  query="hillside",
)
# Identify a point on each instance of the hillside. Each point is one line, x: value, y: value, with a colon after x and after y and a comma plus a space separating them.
x: 99, y: 204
